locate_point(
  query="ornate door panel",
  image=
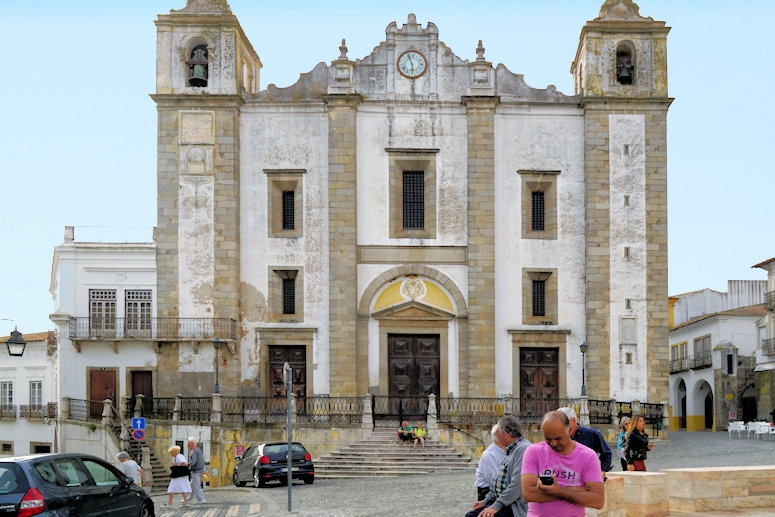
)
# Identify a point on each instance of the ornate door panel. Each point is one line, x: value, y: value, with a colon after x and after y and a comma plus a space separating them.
x: 413, y: 371
x: 538, y: 380
x: 296, y: 357
x: 102, y: 385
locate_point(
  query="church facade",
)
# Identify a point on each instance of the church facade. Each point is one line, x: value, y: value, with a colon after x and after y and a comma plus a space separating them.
x: 414, y: 222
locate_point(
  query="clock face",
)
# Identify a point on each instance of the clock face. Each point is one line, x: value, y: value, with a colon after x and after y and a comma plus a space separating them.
x: 411, y: 64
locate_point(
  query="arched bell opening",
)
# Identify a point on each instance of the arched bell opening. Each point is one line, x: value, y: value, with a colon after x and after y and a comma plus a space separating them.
x: 625, y: 63
x: 198, y: 66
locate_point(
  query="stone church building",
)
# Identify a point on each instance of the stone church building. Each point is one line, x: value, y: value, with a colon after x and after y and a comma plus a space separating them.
x: 414, y: 221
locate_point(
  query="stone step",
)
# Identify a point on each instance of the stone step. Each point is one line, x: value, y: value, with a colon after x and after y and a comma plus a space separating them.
x: 382, y: 454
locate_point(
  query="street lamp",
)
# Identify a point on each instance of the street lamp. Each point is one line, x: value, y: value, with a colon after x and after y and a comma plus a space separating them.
x: 217, y: 346
x: 16, y: 343
x: 583, y: 347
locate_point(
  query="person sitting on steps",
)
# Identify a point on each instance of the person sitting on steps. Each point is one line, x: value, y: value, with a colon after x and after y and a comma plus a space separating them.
x: 405, y: 432
x: 419, y: 435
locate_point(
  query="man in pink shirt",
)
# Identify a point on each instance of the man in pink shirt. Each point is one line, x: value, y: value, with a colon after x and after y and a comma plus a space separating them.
x: 570, y: 478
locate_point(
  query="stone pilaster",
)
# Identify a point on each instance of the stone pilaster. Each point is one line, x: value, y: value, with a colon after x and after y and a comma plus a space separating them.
x: 478, y: 373
x: 597, y: 253
x: 343, y: 252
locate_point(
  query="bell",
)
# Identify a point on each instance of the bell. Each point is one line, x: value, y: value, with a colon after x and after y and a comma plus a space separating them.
x: 623, y: 75
x: 199, y: 77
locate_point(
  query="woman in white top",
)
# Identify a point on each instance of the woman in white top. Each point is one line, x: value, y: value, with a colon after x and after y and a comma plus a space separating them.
x: 178, y: 485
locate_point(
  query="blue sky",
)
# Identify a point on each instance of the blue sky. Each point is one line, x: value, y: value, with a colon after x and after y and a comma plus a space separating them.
x: 78, y: 131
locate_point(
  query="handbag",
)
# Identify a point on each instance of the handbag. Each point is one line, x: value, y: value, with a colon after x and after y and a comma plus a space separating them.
x: 179, y: 471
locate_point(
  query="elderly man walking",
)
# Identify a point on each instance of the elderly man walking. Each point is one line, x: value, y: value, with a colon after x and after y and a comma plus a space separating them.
x: 505, y: 496
x: 196, y: 464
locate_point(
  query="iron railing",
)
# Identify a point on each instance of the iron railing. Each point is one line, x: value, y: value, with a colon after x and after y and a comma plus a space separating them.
x: 652, y: 413
x: 768, y: 346
x: 85, y: 410
x: 400, y: 408
x: 8, y: 411
x: 698, y: 361
x: 153, y: 329
x: 769, y: 300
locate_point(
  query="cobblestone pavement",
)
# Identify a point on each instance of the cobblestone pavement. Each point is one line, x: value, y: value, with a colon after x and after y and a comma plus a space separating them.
x: 448, y: 493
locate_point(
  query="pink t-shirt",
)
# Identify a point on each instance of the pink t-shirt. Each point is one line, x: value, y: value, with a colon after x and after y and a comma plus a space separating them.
x: 576, y: 469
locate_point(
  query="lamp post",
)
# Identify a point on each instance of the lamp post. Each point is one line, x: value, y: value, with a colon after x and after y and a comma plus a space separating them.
x: 16, y: 343
x: 217, y: 346
x: 583, y: 347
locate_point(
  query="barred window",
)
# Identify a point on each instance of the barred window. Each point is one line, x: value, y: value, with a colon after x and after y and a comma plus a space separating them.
x: 538, y: 211
x: 289, y: 296
x: 36, y: 393
x: 414, y: 200
x: 539, y: 298
x: 288, y: 209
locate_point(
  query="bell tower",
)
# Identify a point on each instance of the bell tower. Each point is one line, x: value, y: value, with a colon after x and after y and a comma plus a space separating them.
x: 204, y: 66
x: 620, y: 75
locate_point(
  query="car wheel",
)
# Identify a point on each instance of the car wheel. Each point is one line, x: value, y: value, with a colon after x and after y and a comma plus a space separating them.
x: 257, y: 481
x: 146, y: 511
x: 235, y: 479
x: 309, y: 480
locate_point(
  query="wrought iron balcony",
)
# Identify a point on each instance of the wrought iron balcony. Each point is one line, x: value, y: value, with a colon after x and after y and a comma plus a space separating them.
x: 153, y: 329
x: 769, y: 300
x: 700, y: 361
x: 679, y: 365
x: 8, y: 411
x: 768, y: 346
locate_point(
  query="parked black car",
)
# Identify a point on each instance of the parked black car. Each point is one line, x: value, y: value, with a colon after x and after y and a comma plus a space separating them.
x: 269, y: 462
x: 68, y: 484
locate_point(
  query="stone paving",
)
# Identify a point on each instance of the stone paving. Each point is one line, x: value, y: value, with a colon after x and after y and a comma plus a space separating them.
x: 449, y: 493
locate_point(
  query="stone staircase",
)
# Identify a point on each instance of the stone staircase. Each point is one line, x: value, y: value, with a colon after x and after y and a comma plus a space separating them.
x: 382, y: 455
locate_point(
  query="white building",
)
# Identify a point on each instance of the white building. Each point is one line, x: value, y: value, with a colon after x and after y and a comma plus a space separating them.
x: 712, y: 355
x: 104, y: 294
x: 28, y: 395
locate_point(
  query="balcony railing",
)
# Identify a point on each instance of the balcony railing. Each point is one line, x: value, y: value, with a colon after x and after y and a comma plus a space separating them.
x: 153, y: 329
x: 700, y: 361
x: 768, y: 346
x: 769, y: 300
x: 8, y: 411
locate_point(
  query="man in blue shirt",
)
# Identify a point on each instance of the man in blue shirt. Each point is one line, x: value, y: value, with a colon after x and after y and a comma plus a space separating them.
x: 590, y: 437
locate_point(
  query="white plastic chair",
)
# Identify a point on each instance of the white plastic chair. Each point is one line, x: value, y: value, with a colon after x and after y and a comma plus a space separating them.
x: 750, y: 427
x: 771, y: 432
x: 736, y: 427
x: 762, y: 429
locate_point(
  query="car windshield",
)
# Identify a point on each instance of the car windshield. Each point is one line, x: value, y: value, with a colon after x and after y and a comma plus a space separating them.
x: 12, y: 479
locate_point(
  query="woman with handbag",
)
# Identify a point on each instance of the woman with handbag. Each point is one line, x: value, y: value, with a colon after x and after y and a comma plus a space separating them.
x: 637, y: 444
x: 179, y: 472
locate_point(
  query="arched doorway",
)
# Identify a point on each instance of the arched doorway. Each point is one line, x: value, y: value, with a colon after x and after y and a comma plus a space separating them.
x: 682, y: 404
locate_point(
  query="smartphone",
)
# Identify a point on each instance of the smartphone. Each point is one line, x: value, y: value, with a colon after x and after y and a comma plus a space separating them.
x: 546, y: 480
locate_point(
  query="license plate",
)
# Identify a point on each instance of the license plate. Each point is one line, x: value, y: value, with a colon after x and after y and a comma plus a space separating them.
x: 294, y: 469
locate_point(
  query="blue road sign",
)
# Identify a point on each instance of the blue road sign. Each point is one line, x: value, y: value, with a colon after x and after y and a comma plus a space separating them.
x: 138, y: 423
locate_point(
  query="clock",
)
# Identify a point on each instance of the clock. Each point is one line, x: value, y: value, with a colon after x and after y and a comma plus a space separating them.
x: 411, y: 64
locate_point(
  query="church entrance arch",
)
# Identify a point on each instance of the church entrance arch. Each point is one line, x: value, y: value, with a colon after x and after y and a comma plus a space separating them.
x: 412, y: 334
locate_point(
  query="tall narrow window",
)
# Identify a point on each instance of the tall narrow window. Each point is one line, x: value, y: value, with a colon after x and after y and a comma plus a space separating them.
x: 414, y: 200
x: 138, y: 311
x: 539, y: 298
x: 289, y: 295
x: 288, y: 209
x: 102, y: 311
x: 537, y: 198
x: 36, y: 393
x: 6, y: 393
